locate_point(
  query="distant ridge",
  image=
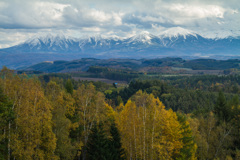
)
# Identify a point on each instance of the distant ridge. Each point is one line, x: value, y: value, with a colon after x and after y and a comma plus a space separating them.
x: 134, y: 64
x: 173, y: 42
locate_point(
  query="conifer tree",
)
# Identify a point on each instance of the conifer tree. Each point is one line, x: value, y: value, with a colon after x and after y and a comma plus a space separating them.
x: 116, y: 150
x: 97, y: 146
x: 221, y: 109
x: 6, y: 115
x: 189, y: 147
x: 69, y: 86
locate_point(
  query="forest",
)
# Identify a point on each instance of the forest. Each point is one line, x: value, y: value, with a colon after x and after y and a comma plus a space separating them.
x: 53, y: 116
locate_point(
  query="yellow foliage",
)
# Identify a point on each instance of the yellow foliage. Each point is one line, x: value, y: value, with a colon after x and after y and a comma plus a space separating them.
x: 110, y: 112
x: 32, y: 133
x: 148, y: 130
x: 90, y: 107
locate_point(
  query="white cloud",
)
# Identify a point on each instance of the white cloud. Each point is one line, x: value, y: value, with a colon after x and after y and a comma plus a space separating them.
x: 49, y: 10
x: 117, y: 18
x: 123, y: 18
x: 92, y: 29
x: 3, y: 4
x: 97, y: 15
x: 194, y: 11
x: 12, y: 37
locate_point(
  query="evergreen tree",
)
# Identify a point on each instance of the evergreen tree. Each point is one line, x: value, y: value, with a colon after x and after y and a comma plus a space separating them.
x: 234, y: 103
x: 6, y: 115
x: 97, y: 145
x: 221, y: 109
x: 236, y: 120
x: 69, y: 86
x: 189, y: 146
x: 119, y: 100
x: 116, y: 150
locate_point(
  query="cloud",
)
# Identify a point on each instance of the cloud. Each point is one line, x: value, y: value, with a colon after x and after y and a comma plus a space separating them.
x: 31, y: 15
x: 123, y: 18
x: 11, y: 37
x: 90, y: 17
x: 197, y: 11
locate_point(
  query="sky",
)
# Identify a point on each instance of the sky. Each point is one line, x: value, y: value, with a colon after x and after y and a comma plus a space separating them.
x: 23, y: 19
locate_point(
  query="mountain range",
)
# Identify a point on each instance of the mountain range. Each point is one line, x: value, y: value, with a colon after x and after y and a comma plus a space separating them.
x: 175, y: 42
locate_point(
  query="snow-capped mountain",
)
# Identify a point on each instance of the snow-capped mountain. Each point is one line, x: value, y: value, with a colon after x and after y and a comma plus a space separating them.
x: 173, y: 42
x: 176, y: 32
x: 143, y: 37
x: 48, y: 43
x: 178, y: 39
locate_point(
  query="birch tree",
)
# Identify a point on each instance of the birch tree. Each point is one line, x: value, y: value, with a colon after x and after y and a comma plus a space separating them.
x: 148, y: 130
x: 31, y: 136
x: 90, y: 108
x: 61, y: 103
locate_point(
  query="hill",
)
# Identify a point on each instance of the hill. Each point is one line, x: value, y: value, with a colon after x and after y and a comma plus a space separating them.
x: 140, y: 65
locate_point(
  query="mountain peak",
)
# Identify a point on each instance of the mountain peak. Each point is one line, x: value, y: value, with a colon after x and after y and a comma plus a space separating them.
x: 144, y: 37
x: 176, y: 32
x: 52, y: 38
x: 48, y: 38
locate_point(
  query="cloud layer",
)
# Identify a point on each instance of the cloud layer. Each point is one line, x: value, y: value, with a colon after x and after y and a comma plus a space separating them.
x: 22, y: 19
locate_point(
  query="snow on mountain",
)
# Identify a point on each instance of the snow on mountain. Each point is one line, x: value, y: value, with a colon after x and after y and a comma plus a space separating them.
x: 175, y: 32
x: 93, y: 41
x: 221, y: 35
x: 172, y: 42
x: 45, y: 39
x: 33, y: 42
x: 144, y: 37
x: 175, y: 39
x: 59, y: 43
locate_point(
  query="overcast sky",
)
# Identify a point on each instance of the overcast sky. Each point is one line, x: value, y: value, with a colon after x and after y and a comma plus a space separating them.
x: 22, y: 19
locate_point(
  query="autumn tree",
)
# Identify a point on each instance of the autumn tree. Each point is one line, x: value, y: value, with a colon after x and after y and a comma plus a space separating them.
x: 31, y: 135
x: 148, y: 130
x: 62, y: 104
x: 213, y: 140
x: 90, y: 108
